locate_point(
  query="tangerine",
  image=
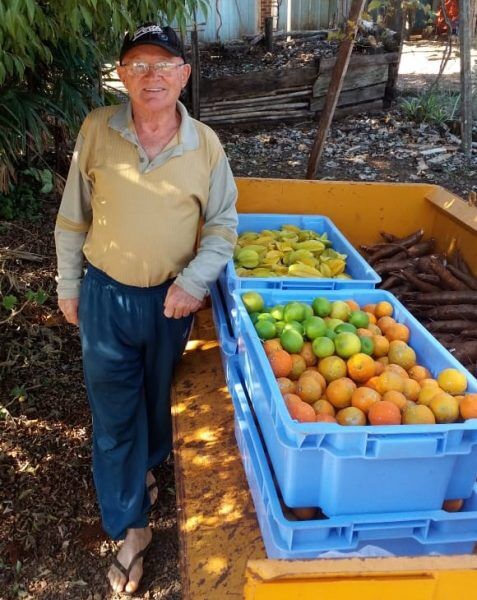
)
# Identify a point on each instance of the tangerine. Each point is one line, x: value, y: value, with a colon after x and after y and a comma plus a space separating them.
x: 318, y: 376
x: 281, y: 363
x: 445, y: 408
x: 426, y: 394
x: 418, y: 372
x: 324, y: 406
x: 351, y: 416
x: 286, y: 386
x: 411, y: 389
x: 364, y: 397
x: 299, y: 410
x: 389, y: 381
x: 325, y: 418
x: 383, y: 309
x: 332, y: 367
x: 417, y: 414
x: 307, y: 353
x: 340, y: 391
x: 428, y: 382
x: 352, y: 304
x: 379, y: 367
x: 369, y: 308
x: 309, y: 389
x: 384, y: 413
x: 453, y: 505
x: 272, y: 346
x: 401, y: 354
x: 298, y: 366
x: 361, y: 367
x: 381, y: 346
x: 396, y: 398
x: 398, y: 331
x: 468, y: 406
x: 384, y: 323
x: 397, y: 369
x: 452, y: 381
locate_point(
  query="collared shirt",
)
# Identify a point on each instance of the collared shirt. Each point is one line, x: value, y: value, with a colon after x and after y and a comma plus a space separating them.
x: 138, y: 219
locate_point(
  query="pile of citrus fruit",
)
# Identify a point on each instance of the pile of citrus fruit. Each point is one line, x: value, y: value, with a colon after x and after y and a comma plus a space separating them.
x: 341, y: 363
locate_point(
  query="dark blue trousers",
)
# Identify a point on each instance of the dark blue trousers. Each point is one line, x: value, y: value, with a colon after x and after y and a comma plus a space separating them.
x: 129, y: 352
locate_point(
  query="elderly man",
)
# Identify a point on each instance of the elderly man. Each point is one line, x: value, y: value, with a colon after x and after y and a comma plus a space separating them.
x: 150, y: 202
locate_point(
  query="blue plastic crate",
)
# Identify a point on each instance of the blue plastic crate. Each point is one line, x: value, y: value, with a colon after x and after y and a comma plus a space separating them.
x: 402, y: 533
x: 359, y: 469
x: 225, y: 333
x: 363, y: 276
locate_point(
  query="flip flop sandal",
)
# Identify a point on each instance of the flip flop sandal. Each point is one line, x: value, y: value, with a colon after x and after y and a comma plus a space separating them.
x: 126, y: 571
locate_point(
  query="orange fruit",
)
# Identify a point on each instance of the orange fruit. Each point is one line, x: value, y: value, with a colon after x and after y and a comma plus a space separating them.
x: 397, y: 369
x: 323, y: 406
x: 298, y: 366
x: 364, y: 397
x: 379, y: 367
x: 389, y: 381
x: 384, y: 413
x: 398, y: 331
x: 427, y: 393
x: 452, y: 381
x: 468, y: 406
x: 309, y: 389
x: 374, y: 329
x: 360, y: 367
x: 428, y: 382
x: 372, y: 318
x: 415, y: 414
x: 445, y: 408
x: 369, y: 308
x: 309, y: 356
x: 272, y: 346
x: 339, y: 392
x: 301, y: 411
x: 352, y: 304
x: 372, y: 383
x: 418, y: 372
x: 401, y: 354
x: 325, y: 418
x: 281, y: 363
x: 383, y: 309
x: 362, y: 332
x: 384, y: 323
x: 396, y: 398
x: 286, y: 386
x: 351, y: 416
x: 381, y: 345
x: 332, y: 367
x: 412, y: 389
x: 311, y: 372
x: 452, y: 505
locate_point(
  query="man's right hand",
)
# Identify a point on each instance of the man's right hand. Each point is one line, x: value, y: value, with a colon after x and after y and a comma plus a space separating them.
x: 69, y: 308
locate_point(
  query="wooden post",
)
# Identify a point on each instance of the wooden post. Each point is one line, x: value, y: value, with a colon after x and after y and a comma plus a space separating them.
x: 465, y: 78
x: 269, y: 33
x: 336, y: 83
x: 195, y: 72
x: 397, y: 24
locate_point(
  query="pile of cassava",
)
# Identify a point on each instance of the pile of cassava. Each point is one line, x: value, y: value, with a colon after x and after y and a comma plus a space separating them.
x: 440, y: 290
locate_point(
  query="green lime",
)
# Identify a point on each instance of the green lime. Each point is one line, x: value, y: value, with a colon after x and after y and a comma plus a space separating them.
x: 296, y: 326
x: 322, y: 347
x: 254, y: 316
x: 321, y: 307
x: 314, y: 327
x: 340, y: 310
x: 265, y: 316
x: 291, y: 340
x: 277, y: 312
x: 266, y: 329
x: 359, y: 319
x: 293, y: 311
x: 330, y: 333
x: 279, y: 325
x: 347, y: 344
x: 345, y: 327
x: 308, y: 311
x: 333, y: 323
x: 367, y: 345
x: 253, y: 302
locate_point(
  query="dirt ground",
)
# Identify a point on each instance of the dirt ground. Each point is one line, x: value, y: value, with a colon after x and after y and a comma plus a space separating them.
x: 51, y: 543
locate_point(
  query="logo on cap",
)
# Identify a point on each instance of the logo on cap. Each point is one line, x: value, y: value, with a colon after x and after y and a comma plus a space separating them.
x: 155, y: 29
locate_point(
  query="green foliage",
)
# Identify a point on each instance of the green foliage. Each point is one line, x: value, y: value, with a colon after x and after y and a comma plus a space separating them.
x: 24, y: 199
x: 434, y: 107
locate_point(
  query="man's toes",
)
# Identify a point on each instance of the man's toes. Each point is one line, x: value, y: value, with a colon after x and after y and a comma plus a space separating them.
x: 116, y: 580
x: 134, y: 578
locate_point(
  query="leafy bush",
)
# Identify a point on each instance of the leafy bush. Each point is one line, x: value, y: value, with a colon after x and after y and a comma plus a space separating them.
x: 435, y: 107
x: 24, y: 199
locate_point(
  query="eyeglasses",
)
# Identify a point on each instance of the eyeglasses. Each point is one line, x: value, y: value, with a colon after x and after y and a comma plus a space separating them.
x: 142, y: 68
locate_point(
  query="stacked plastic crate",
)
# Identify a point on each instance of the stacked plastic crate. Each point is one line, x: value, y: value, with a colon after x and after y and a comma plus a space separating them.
x: 383, y: 486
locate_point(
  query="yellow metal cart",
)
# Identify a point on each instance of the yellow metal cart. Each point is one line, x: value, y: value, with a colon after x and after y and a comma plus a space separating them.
x: 221, y: 550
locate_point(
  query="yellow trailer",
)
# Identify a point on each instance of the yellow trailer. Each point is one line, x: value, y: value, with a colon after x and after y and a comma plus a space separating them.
x: 221, y: 550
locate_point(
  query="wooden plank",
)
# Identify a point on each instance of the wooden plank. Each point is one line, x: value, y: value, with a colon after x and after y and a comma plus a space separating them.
x: 357, y: 61
x: 465, y: 77
x: 218, y: 531
x: 339, y: 73
x: 354, y: 79
x: 257, y: 83
x: 353, y: 97
x: 271, y: 97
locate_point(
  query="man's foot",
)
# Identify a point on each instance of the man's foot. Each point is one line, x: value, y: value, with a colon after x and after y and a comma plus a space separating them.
x: 126, y: 571
x: 152, y: 487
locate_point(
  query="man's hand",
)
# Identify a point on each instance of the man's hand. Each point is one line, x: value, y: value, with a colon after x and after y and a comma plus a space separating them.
x: 69, y: 308
x: 179, y: 303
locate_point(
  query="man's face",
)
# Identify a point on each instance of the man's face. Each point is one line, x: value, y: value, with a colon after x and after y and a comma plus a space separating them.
x: 155, y: 90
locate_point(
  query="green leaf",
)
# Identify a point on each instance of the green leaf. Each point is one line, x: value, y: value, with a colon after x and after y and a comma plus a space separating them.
x: 9, y: 302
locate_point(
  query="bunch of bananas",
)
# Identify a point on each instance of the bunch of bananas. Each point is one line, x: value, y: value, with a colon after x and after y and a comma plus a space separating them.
x: 288, y: 252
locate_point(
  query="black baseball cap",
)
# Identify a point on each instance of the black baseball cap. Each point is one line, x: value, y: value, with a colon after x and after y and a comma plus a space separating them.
x: 155, y: 35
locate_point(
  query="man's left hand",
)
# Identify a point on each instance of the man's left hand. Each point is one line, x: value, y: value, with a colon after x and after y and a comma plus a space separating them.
x: 179, y: 303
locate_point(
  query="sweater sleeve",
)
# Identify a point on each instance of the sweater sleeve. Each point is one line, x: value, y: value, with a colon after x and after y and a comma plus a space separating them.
x: 72, y: 224
x: 218, y: 236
